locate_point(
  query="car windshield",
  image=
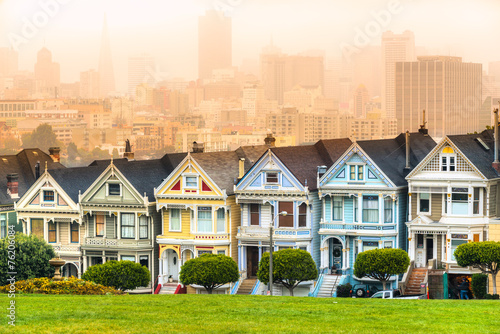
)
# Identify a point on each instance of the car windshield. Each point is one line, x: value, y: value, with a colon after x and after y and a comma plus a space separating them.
x: 377, y: 295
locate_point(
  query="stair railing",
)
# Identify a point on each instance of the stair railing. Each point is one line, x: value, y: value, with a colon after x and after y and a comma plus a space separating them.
x: 335, y: 284
x: 236, y: 285
x: 255, y: 287
x: 406, y: 277
x: 318, y: 283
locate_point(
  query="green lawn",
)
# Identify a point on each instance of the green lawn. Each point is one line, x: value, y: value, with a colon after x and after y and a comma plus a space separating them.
x: 246, y: 314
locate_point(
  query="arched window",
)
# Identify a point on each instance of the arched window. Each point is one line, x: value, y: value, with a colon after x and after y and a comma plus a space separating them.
x: 448, y: 160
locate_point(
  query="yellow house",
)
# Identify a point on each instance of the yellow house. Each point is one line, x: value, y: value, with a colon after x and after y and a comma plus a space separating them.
x: 198, y: 208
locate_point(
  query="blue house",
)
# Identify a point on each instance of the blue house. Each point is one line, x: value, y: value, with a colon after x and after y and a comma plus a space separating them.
x: 363, y: 198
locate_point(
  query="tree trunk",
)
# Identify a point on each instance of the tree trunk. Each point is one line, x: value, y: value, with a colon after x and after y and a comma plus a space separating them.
x: 209, y: 290
x: 383, y: 285
x: 291, y: 291
x: 494, y: 276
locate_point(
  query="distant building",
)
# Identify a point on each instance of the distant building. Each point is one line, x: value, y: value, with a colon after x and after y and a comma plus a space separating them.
x: 141, y: 69
x: 446, y: 88
x: 214, y: 43
x: 395, y: 47
x: 47, y: 74
x: 106, y: 71
x: 90, y: 84
x: 8, y: 62
x: 361, y: 99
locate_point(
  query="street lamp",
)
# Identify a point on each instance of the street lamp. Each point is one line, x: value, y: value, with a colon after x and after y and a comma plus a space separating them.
x: 282, y: 213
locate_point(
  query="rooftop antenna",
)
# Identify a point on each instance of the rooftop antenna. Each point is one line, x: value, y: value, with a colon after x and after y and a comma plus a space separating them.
x: 423, y: 130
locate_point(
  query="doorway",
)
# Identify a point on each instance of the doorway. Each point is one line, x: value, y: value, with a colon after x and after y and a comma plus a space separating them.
x: 170, y: 264
x: 335, y: 263
x: 429, y: 243
x: 252, y: 261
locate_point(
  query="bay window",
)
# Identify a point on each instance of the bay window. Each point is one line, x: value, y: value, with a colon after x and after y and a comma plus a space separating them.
x: 388, y: 203
x: 370, y: 209
x: 254, y: 214
x: 99, y: 225
x: 303, y: 215
x: 75, y: 234
x: 459, y: 201
x: 175, y: 220
x: 52, y: 232
x: 143, y: 227
x: 221, y: 220
x: 424, y: 202
x: 205, y: 219
x: 286, y: 221
x: 337, y: 208
x: 128, y: 226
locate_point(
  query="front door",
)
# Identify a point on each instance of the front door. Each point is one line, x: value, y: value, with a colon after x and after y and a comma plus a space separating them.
x: 172, y: 264
x: 429, y: 249
x: 335, y: 255
x: 252, y: 261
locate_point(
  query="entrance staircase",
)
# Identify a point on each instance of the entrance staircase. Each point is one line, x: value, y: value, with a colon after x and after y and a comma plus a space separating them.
x: 329, y: 286
x: 168, y: 288
x: 246, y: 286
x: 417, y: 277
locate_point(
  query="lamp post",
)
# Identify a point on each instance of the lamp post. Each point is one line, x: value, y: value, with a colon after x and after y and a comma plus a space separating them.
x: 282, y: 213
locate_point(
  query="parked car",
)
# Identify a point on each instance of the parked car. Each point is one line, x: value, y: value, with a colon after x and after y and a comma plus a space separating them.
x: 363, y: 290
x: 395, y: 294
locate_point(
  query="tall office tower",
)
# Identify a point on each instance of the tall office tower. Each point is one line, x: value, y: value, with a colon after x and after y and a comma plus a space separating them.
x: 214, y: 43
x: 366, y: 67
x: 395, y: 47
x: 141, y: 69
x: 8, y: 62
x: 361, y: 99
x: 253, y: 97
x: 272, y: 67
x: 446, y: 88
x: 106, y: 72
x: 90, y: 84
x: 494, y: 69
x: 47, y: 74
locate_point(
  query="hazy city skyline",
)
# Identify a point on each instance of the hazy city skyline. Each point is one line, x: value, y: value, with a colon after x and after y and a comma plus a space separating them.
x: 168, y: 31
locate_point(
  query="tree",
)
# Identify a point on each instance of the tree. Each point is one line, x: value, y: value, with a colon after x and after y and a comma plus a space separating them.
x: 484, y: 255
x: 210, y: 271
x: 381, y: 264
x: 290, y: 267
x: 30, y: 256
x: 42, y: 137
x: 121, y: 275
x: 72, y: 151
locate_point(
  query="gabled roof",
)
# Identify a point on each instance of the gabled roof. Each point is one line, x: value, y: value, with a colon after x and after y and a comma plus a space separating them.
x: 23, y: 163
x: 390, y: 154
x: 476, y: 153
x: 302, y: 161
x: 77, y: 180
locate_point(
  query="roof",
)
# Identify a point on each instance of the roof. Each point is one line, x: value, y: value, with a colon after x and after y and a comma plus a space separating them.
x: 390, y: 154
x: 23, y: 163
x: 302, y: 161
x: 476, y: 153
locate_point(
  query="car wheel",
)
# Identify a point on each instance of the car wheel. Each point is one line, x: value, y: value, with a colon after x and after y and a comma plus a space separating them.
x: 360, y: 293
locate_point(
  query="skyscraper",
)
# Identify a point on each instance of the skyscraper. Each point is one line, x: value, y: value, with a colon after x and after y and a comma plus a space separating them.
x: 47, y: 74
x: 214, y: 43
x: 395, y: 47
x: 446, y: 88
x: 106, y: 72
x: 141, y: 69
x: 8, y: 62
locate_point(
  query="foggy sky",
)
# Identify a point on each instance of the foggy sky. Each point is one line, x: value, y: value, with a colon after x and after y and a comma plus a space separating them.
x: 167, y: 29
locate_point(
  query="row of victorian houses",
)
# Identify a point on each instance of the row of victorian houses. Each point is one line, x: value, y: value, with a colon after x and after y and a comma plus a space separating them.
x: 341, y: 198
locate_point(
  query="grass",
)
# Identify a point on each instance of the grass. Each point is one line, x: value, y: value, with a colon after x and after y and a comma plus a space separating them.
x: 246, y: 314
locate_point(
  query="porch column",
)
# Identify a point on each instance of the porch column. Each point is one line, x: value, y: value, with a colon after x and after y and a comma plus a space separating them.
x: 84, y: 269
x: 344, y: 258
x: 380, y: 208
x: 118, y: 227
x: 347, y: 262
x: 260, y: 251
x: 240, y: 260
x: 409, y: 204
x: 104, y: 258
x: 136, y: 226
x: 160, y: 271
x: 46, y: 229
x: 411, y: 246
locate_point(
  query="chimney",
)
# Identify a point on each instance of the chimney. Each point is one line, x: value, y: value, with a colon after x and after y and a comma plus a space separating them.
x: 270, y: 141
x: 198, y: 147
x: 241, y: 166
x: 423, y: 130
x: 407, y: 141
x: 13, y: 185
x: 495, y: 164
x: 128, y: 151
x: 55, y: 154
x: 37, y: 170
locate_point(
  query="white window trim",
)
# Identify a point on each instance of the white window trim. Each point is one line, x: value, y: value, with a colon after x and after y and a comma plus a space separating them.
x: 430, y: 205
x: 343, y: 213
x: 42, y: 199
x: 184, y: 181
x: 170, y: 221
x: 216, y: 220
x: 447, y: 156
x: 107, y: 189
x: 277, y: 177
x: 356, y: 173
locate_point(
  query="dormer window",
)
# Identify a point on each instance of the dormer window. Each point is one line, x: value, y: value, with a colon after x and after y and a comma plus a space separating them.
x: 448, y: 160
x: 356, y: 172
x: 271, y: 177
x: 48, y: 196
x: 191, y: 182
x: 114, y: 189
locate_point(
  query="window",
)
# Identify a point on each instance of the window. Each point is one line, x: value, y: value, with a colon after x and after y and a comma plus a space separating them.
x: 303, y: 215
x: 271, y: 177
x: 114, y: 189
x: 143, y: 227
x: 356, y: 204
x: 128, y: 258
x: 52, y: 232
x: 75, y: 235
x: 286, y: 221
x: 3, y: 225
x: 48, y: 196
x: 448, y: 160
x: 424, y: 202
x: 369, y: 245
x: 221, y: 220
x: 37, y: 227
x: 221, y: 252
x: 337, y: 208
x: 370, y: 209
x: 387, y: 244
x: 144, y: 260
x: 360, y: 173
x: 175, y: 220
x: 128, y: 226
x: 459, y: 199
x: 356, y: 172
x: 454, y: 244
x: 191, y: 182
x: 201, y: 252
x: 99, y: 225
x: 205, y: 219
x: 476, y: 201
x: 352, y: 174
x: 388, y: 210
x: 255, y: 214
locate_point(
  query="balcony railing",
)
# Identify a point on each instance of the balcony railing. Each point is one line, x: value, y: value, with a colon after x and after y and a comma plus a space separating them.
x: 280, y: 232
x: 66, y: 248
x: 116, y: 242
x: 357, y: 226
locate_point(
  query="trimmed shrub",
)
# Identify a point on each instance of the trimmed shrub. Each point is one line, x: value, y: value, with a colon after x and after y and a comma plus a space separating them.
x: 121, y: 275
x: 68, y: 286
x: 478, y: 285
x: 30, y: 255
x: 210, y: 271
x: 344, y: 290
x: 489, y: 296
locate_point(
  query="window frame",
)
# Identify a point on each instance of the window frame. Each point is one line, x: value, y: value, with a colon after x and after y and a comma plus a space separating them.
x: 341, y: 208
x: 357, y: 172
x: 284, y: 221
x: 189, y: 176
x: 254, y: 214
x: 448, y: 162
x: 170, y: 228
x: 390, y: 202
x: 302, y: 215
x: 143, y: 218
x: 464, y: 202
x: 103, y: 225
x: 477, y: 201
x: 220, y: 220
x: 199, y: 210
x: 127, y: 256
x: 52, y: 232
x: 45, y: 194
x: 268, y: 176
x: 123, y: 227
x: 377, y: 209
x: 3, y: 225
x: 38, y: 220
x: 72, y: 230
x: 419, y: 205
x: 108, y: 186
